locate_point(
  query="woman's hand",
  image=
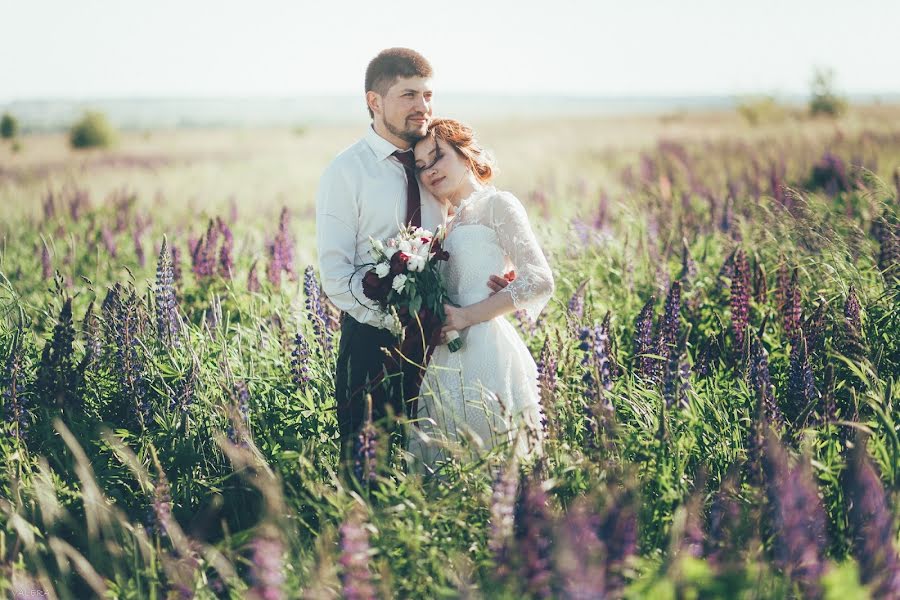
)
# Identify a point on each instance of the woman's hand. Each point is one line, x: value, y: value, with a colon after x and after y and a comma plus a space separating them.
x: 457, y: 319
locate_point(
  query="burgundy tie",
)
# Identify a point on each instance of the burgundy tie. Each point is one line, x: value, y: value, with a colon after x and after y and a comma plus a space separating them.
x: 413, y: 200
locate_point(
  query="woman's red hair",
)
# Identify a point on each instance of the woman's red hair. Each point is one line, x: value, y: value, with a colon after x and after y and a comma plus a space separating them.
x: 462, y: 139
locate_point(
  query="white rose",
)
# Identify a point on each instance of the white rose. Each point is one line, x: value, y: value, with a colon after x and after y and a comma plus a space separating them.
x: 423, y: 250
x: 405, y: 246
x: 382, y: 269
x: 390, y: 251
x: 399, y: 280
x: 378, y: 245
x: 416, y: 263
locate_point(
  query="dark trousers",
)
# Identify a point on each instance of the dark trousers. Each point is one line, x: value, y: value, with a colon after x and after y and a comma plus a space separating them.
x: 361, y: 371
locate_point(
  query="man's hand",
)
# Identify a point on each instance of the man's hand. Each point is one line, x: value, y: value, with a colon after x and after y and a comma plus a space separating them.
x: 498, y: 283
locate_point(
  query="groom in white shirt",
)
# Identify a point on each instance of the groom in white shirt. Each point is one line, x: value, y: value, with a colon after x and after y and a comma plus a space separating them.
x: 370, y: 189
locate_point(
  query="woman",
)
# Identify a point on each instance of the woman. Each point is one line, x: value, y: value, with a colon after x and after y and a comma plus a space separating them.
x: 487, y: 391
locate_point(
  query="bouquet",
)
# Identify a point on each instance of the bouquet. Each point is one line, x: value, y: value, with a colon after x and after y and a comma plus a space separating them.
x: 405, y: 280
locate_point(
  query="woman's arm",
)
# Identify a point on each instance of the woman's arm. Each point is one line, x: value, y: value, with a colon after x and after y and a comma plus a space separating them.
x: 533, y: 285
x: 489, y: 308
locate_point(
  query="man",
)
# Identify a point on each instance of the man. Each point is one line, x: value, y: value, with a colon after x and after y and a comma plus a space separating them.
x: 369, y: 190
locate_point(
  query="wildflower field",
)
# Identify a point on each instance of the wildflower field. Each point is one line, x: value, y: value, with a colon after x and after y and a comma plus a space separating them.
x: 720, y: 373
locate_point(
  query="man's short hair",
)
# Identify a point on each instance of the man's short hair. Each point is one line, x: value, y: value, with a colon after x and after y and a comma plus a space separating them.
x: 391, y: 64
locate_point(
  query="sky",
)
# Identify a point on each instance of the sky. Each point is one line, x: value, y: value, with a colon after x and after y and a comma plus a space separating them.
x: 52, y: 49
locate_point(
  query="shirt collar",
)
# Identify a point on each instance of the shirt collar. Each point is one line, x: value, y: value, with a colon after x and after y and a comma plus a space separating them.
x: 380, y: 146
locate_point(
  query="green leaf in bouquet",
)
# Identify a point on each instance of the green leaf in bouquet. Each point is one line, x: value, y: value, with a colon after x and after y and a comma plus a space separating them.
x: 415, y: 304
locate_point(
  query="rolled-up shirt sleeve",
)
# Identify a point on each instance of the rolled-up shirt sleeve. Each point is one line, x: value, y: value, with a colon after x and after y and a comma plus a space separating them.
x: 337, y: 217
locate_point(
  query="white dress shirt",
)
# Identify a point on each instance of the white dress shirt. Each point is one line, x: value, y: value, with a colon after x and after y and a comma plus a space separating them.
x: 362, y: 193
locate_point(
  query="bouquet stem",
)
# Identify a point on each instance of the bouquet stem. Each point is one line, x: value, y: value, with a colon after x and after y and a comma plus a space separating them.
x: 455, y: 342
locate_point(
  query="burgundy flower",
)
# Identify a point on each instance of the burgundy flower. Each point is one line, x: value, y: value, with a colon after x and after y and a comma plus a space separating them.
x: 398, y: 262
x: 375, y: 288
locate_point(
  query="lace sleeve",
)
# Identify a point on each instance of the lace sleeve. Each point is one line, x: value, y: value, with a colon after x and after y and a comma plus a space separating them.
x: 533, y: 285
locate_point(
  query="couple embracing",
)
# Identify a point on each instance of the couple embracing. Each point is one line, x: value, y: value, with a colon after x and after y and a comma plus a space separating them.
x: 412, y: 168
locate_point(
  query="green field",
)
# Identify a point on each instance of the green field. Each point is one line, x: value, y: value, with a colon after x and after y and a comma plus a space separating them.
x: 720, y: 372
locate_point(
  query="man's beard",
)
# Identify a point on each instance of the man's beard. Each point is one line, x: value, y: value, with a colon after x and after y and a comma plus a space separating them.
x: 408, y: 136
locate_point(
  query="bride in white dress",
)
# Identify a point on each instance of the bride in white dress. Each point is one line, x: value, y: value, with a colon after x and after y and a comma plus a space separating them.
x: 486, y: 393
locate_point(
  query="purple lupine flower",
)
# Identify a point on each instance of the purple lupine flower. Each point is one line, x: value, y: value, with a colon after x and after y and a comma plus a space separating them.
x: 365, y: 450
x: 801, y: 389
x: 851, y: 343
x: 300, y: 356
x: 576, y: 303
x: 183, y: 397
x: 676, y: 378
x: 889, y: 252
x: 740, y: 299
x: 281, y: 251
x: 274, y: 267
x: 123, y: 330
x: 814, y: 326
x: 266, y: 565
x: 580, y: 554
x: 760, y: 287
x: 204, y: 255
x: 93, y: 344
x: 607, y: 337
x: 355, y: 577
x: 830, y: 174
x: 792, y: 311
x: 139, y: 248
x: 46, y: 264
x: 776, y: 182
x: 688, y: 264
x: 168, y: 325
x: 57, y: 376
x: 109, y: 241
x: 15, y: 412
x: 527, y: 326
x: 315, y: 309
x: 49, y: 205
x: 645, y: 366
x: 161, y: 507
x: 797, y: 517
x: 782, y: 285
x: 727, y: 222
x: 871, y: 525
x: 79, y: 203
x: 253, y: 279
x: 671, y: 322
x: 693, y: 539
x: 175, y: 253
x: 618, y: 531
x: 533, y: 540
x: 852, y: 310
x: 226, y: 260
x: 503, y: 502
x: 721, y: 547
x: 726, y: 271
x: 761, y: 382
x: 547, y: 378
x: 239, y: 425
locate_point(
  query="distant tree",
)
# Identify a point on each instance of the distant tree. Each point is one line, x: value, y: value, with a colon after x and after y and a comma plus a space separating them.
x: 823, y: 99
x: 9, y: 126
x: 92, y: 131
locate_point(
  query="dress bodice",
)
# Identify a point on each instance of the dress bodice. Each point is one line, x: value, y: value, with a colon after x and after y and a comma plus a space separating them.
x: 490, y: 235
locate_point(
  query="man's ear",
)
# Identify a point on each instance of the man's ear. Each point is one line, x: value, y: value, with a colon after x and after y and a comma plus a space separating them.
x: 373, y: 99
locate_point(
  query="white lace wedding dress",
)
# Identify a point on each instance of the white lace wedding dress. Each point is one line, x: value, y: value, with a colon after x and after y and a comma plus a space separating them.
x: 486, y: 393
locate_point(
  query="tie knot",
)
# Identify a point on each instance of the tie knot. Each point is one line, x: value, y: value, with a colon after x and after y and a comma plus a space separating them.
x: 406, y: 158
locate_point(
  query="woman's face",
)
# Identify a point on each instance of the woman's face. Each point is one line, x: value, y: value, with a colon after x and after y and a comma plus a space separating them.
x: 442, y: 170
